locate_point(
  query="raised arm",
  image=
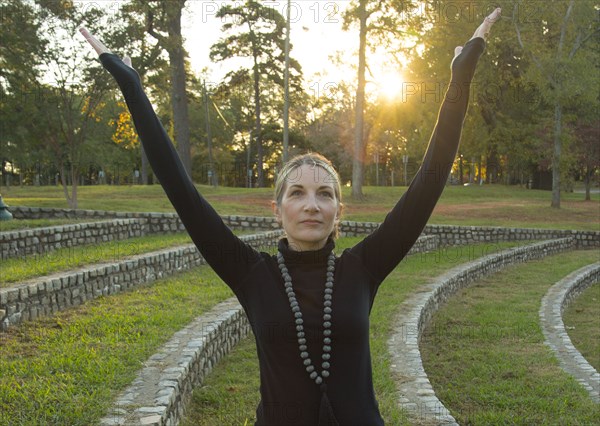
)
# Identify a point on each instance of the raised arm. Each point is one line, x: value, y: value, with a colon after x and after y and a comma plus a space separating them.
x: 227, y: 254
x: 381, y: 251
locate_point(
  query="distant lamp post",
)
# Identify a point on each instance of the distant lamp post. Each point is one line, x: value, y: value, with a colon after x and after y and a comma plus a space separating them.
x: 4, y: 213
x: 405, y: 162
x: 286, y: 86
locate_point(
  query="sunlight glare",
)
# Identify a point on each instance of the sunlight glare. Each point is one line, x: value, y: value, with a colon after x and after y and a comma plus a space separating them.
x: 389, y: 85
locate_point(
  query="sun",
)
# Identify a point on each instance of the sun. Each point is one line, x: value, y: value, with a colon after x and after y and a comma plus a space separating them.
x: 390, y: 84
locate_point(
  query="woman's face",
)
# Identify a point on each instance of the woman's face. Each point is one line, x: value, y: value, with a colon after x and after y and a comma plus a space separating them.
x: 309, y: 208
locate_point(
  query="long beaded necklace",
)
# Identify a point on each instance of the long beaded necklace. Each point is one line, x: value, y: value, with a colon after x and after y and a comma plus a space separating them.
x: 310, y: 368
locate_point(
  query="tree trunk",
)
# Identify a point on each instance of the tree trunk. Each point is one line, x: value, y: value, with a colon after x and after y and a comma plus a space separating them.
x: 65, y: 185
x: 357, y: 163
x: 260, y: 182
x: 74, y: 181
x: 556, y: 157
x: 587, y: 181
x: 145, y: 166
x: 286, y: 84
x: 179, y: 102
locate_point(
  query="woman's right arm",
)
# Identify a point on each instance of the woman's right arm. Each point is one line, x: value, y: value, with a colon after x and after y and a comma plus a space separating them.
x: 228, y: 255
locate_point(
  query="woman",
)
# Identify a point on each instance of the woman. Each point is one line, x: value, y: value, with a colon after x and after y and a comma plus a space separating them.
x: 308, y: 308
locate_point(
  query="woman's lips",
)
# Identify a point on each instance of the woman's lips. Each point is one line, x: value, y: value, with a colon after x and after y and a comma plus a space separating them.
x: 311, y: 222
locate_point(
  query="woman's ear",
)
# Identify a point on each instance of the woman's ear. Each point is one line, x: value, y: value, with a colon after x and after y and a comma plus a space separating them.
x: 276, y: 211
x: 338, y: 214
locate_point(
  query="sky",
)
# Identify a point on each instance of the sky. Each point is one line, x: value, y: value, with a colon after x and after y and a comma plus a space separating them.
x: 316, y: 35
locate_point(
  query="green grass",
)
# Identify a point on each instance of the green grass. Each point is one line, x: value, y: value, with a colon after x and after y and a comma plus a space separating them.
x: 487, y: 205
x: 20, y: 269
x: 66, y: 369
x: 485, y: 355
x: 582, y: 321
x: 21, y: 224
x: 230, y: 393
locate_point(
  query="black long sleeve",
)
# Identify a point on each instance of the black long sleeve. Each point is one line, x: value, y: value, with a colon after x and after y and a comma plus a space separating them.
x: 381, y: 251
x: 226, y: 253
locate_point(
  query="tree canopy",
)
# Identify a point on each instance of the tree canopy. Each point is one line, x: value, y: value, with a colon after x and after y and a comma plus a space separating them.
x: 533, y: 117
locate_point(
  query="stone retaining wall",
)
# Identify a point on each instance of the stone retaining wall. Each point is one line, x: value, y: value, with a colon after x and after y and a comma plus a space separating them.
x: 416, y: 393
x: 453, y: 235
x: 449, y: 234
x: 579, y: 285
x: 458, y: 279
x: 52, y: 293
x: 162, y: 389
x: 554, y: 302
x: 41, y: 240
x: 157, y: 222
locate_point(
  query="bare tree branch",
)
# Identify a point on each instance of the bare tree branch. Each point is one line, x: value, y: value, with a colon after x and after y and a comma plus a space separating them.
x: 535, y: 59
x: 580, y: 41
x: 563, y: 30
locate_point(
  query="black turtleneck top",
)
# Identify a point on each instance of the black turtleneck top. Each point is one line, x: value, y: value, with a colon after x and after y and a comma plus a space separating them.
x: 288, y: 395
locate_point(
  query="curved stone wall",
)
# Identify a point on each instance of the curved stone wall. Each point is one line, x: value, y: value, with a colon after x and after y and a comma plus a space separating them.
x: 52, y: 293
x: 554, y: 303
x: 42, y: 240
x: 164, y: 386
x: 416, y: 393
x: 447, y: 234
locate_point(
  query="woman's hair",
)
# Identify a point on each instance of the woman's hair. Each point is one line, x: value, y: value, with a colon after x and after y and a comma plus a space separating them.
x: 287, y: 174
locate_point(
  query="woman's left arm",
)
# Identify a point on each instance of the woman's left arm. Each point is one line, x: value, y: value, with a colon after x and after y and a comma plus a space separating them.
x: 381, y: 251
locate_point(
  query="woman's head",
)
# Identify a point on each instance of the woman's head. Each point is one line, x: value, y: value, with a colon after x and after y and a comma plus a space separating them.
x: 307, y: 201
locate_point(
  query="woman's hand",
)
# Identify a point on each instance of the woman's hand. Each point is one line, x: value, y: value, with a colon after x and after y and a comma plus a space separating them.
x: 483, y: 30
x: 98, y: 46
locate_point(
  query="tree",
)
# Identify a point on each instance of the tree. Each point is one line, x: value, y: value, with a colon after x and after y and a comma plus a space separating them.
x: 556, y: 43
x: 588, y: 151
x: 264, y: 43
x: 162, y: 20
x: 66, y: 109
x: 376, y: 21
x: 329, y: 130
x: 20, y: 58
x: 130, y: 36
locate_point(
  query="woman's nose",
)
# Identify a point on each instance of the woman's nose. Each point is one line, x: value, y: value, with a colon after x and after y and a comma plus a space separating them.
x: 311, y: 204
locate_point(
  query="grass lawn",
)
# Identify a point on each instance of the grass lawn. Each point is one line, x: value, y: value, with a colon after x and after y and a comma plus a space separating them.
x: 230, y: 395
x: 485, y: 355
x: 66, y: 369
x: 20, y: 269
x: 487, y: 205
x: 582, y: 321
x: 14, y: 225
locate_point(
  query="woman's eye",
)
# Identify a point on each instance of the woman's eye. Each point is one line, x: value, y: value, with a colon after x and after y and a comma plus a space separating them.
x: 327, y: 194
x: 296, y: 192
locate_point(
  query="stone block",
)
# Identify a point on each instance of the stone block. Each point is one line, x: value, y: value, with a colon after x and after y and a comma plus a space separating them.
x: 12, y: 295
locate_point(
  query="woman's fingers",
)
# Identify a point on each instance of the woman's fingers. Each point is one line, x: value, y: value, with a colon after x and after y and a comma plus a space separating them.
x: 484, y: 29
x: 98, y: 46
x: 494, y: 16
x: 127, y: 61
